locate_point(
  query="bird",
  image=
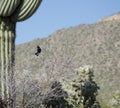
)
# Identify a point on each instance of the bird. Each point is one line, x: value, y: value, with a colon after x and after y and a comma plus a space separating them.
x: 38, y: 50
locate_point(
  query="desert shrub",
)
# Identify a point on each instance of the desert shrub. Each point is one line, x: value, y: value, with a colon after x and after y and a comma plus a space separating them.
x: 55, y: 98
x: 30, y: 94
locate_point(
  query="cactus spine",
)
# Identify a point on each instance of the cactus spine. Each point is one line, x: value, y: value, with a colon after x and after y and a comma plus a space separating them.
x: 11, y: 11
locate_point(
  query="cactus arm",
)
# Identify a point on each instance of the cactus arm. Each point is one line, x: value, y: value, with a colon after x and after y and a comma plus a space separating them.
x: 7, y: 7
x: 3, y: 5
x: 25, y: 10
x: 37, y: 3
x: 26, y: 7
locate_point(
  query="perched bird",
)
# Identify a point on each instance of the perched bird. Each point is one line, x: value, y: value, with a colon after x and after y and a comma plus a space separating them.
x: 38, y: 51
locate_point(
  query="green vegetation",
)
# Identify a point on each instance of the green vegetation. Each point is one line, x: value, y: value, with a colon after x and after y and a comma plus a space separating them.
x: 82, y: 90
x: 86, y: 88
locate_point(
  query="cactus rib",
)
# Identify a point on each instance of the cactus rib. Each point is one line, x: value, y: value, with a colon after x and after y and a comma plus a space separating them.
x: 7, y: 7
x: 25, y: 10
x: 7, y: 37
x: 2, y: 61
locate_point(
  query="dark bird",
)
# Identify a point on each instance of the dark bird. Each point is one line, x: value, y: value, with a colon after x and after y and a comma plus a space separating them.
x: 38, y: 51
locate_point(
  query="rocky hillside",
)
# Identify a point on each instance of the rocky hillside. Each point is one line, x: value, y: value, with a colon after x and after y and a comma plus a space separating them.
x: 65, y: 50
x: 112, y: 17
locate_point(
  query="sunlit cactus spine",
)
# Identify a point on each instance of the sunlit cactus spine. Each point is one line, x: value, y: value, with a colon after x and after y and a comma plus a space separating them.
x: 11, y: 11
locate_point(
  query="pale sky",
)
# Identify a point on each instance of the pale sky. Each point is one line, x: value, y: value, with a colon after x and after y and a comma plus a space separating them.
x: 53, y: 15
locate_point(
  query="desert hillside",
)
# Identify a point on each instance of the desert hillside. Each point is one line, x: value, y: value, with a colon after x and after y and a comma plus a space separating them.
x: 113, y: 17
x: 65, y: 50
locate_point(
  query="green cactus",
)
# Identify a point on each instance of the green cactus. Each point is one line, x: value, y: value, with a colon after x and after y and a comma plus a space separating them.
x: 85, y: 87
x: 82, y: 89
x: 11, y: 11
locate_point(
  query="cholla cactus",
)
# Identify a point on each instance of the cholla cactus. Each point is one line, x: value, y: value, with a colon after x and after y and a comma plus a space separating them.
x: 11, y: 11
x: 85, y: 73
x: 82, y: 90
x: 67, y: 86
x: 85, y: 87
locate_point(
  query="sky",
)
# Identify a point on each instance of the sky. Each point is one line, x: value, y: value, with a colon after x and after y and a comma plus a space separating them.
x: 53, y: 15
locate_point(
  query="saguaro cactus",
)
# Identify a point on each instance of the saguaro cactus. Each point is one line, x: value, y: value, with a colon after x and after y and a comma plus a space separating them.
x: 11, y: 11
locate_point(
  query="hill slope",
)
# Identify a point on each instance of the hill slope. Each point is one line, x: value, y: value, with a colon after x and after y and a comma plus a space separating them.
x: 65, y: 50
